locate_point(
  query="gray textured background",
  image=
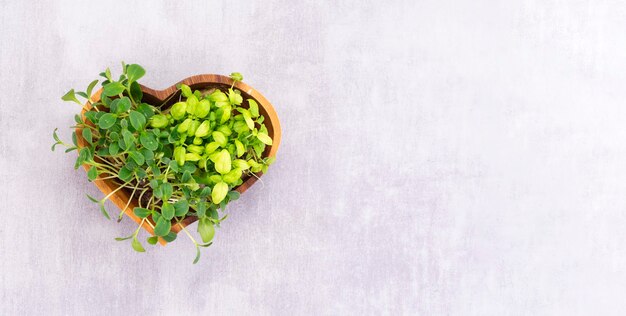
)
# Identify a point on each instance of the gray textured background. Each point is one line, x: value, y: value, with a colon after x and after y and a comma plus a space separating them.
x: 439, y: 157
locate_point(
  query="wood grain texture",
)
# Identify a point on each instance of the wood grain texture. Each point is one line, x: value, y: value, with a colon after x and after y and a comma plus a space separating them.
x: 167, y: 97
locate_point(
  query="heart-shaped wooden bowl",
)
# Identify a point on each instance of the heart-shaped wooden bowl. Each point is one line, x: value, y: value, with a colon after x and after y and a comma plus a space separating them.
x: 168, y: 97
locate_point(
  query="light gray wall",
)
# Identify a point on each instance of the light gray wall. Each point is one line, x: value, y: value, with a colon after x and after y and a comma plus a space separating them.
x: 439, y: 158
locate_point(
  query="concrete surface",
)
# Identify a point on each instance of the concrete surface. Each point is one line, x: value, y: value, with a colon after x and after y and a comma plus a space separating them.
x: 439, y: 158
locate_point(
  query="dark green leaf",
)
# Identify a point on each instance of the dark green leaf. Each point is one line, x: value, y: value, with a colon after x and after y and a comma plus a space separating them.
x: 92, y: 174
x: 181, y: 207
x: 125, y: 174
x: 206, y: 191
x: 170, y: 237
x: 134, y: 72
x: 113, y: 88
x: 91, y: 86
x: 137, y: 157
x: 149, y: 155
x: 146, y: 110
x: 233, y: 195
x: 135, y: 92
x: 167, y: 211
x: 201, y: 209
x: 141, y: 212
x: 123, y: 105
x: 158, y: 192
x: 162, y: 227
x: 186, y: 177
x: 167, y: 190
x: 106, y: 121
x: 137, y: 120
x: 149, y: 141
x: 129, y: 138
x: 114, y: 149
x: 87, y: 135
x: 83, y: 154
x: 92, y: 116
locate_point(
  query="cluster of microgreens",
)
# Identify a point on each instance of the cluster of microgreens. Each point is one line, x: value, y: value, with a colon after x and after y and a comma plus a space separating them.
x: 176, y: 161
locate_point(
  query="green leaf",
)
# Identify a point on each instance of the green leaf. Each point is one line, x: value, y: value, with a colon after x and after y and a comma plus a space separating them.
x: 240, y: 149
x: 219, y: 192
x: 179, y: 155
x: 167, y: 190
x: 137, y: 120
x: 170, y: 237
x: 91, y: 86
x: 219, y: 138
x: 162, y: 227
x: 137, y: 245
x: 129, y: 138
x: 159, y: 121
x: 146, y: 109
x: 181, y: 208
x: 236, y: 76
x: 114, y: 149
x: 222, y: 162
x: 104, y: 211
x: 134, y: 72
x: 201, y: 208
x: 233, y: 195
x: 234, y: 97
x: 148, y: 140
x: 92, y: 174
x: 122, y: 106
x: 83, y: 154
x: 141, y: 212
x: 254, y: 108
x: 125, y: 174
x: 167, y: 211
x: 149, y: 155
x: 87, y: 135
x: 113, y: 88
x: 185, y: 90
x: 232, y: 176
x: 106, y: 121
x: 137, y: 157
x: 124, y: 238
x: 264, y: 138
x: 197, y: 255
x: 153, y: 240
x: 206, y: 229
x: 70, y: 96
x: 218, y: 96
x: 178, y: 110
x: 248, y: 119
x: 92, y: 199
